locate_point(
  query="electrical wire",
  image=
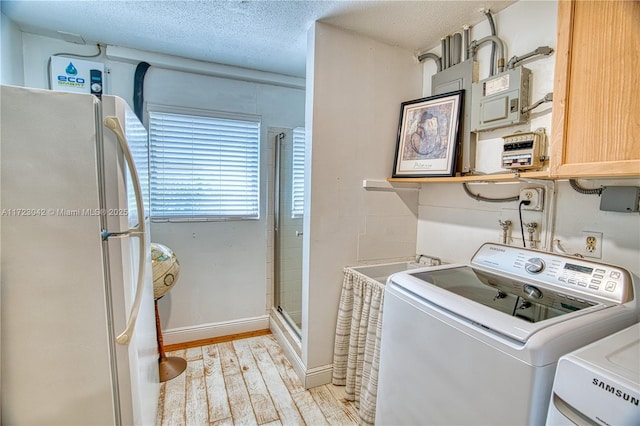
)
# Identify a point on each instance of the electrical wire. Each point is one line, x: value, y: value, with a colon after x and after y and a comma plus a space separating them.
x: 479, y: 197
x: 576, y: 187
x: 69, y: 54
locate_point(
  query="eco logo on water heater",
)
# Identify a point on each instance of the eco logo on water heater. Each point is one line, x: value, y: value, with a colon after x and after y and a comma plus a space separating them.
x: 71, y: 70
x: 71, y: 79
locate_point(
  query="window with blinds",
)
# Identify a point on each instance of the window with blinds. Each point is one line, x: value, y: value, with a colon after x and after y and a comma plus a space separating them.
x: 203, y: 168
x: 297, y: 182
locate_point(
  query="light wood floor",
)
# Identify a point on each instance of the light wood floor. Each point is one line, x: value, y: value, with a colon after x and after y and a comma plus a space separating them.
x: 247, y: 382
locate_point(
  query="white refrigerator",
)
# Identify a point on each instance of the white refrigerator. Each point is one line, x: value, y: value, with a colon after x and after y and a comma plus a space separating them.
x: 78, y: 326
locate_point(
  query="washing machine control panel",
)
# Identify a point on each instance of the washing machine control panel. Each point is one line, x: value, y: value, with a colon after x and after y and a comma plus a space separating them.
x: 563, y: 275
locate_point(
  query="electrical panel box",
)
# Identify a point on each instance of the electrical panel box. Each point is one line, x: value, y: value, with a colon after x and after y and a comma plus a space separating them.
x: 524, y: 150
x: 76, y: 75
x: 460, y: 77
x: 498, y: 101
x: 624, y: 199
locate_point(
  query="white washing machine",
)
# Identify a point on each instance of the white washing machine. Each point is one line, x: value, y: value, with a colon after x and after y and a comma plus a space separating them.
x: 478, y: 344
x: 600, y: 383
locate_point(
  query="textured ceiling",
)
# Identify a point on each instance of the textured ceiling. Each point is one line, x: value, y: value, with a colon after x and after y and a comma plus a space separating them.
x: 266, y: 35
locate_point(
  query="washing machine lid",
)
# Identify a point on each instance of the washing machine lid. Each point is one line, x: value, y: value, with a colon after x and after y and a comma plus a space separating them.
x: 472, y: 296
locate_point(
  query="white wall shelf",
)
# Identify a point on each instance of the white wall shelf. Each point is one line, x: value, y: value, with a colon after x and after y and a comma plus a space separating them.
x: 386, y: 185
x: 503, y: 177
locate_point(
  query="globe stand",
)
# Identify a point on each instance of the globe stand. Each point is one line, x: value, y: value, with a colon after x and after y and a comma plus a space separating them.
x: 169, y: 367
x: 166, y: 269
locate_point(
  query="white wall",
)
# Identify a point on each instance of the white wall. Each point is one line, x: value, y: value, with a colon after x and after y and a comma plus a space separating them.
x: 11, y: 64
x: 452, y: 225
x: 224, y: 264
x: 11, y: 68
x: 354, y: 89
x: 224, y: 285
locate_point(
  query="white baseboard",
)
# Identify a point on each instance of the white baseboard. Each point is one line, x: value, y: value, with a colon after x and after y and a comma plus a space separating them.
x: 318, y: 376
x: 208, y: 331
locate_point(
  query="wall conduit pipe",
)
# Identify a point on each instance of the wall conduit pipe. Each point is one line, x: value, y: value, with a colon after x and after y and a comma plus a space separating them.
x: 433, y: 57
x: 138, y: 89
x: 586, y: 191
x: 457, y: 49
x: 499, y: 43
x: 465, y: 41
x: 479, y: 197
x: 492, y: 24
x: 445, y: 53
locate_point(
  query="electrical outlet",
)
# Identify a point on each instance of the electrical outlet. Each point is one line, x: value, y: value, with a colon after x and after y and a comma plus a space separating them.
x: 535, y: 195
x: 592, y: 244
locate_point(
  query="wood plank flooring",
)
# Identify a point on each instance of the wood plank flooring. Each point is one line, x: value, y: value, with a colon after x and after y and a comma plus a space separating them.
x: 247, y: 382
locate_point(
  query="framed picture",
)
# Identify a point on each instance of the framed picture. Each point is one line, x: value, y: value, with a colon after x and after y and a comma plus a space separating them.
x: 428, y: 136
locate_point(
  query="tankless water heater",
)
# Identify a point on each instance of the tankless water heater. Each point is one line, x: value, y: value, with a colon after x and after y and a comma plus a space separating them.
x: 76, y: 75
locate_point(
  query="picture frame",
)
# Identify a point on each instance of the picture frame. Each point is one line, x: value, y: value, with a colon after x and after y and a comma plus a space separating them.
x: 428, y: 135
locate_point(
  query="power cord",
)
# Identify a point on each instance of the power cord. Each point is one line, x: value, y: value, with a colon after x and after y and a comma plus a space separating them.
x: 522, y: 203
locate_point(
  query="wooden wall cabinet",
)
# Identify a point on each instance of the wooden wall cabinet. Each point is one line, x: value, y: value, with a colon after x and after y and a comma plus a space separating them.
x: 596, y: 107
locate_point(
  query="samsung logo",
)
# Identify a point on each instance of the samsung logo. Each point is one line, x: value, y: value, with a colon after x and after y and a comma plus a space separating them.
x: 617, y: 392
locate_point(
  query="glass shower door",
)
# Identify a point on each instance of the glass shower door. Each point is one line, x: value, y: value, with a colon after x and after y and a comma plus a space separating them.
x: 288, y: 202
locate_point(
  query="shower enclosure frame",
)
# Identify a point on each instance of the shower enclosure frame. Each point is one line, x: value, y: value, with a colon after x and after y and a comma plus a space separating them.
x: 278, y: 237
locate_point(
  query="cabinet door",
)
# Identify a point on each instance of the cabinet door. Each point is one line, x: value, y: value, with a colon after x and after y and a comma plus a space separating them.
x: 596, y: 111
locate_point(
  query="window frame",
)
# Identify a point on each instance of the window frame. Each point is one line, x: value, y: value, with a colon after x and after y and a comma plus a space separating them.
x: 165, y: 109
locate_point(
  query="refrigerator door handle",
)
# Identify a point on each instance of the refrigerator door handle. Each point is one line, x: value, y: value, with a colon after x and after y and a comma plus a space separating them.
x: 115, y: 126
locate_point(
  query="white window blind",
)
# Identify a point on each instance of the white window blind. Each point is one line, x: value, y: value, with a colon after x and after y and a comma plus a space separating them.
x: 139, y: 145
x: 297, y: 182
x: 203, y: 168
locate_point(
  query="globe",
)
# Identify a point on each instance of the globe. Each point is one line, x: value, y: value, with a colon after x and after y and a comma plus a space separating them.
x: 165, y: 268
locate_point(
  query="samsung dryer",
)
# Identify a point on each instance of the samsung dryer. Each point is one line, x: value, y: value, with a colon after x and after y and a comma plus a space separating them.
x: 600, y: 383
